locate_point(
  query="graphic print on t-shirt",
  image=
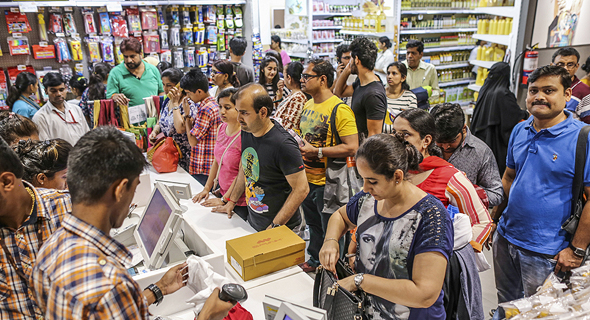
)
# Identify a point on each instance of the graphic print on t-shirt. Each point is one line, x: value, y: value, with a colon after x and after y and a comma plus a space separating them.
x: 314, y: 127
x: 254, y: 194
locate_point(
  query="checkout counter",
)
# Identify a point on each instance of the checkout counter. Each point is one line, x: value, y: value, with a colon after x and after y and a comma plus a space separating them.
x: 205, y: 233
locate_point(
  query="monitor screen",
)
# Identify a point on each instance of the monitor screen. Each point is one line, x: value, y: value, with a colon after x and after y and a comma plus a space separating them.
x: 287, y: 318
x: 154, y: 221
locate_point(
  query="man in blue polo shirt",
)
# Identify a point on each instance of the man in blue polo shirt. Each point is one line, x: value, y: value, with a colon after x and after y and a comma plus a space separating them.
x: 130, y: 82
x: 530, y: 243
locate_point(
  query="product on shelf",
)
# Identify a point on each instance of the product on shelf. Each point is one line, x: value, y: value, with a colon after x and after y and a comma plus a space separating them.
x: 438, y: 4
x: 55, y: 22
x: 105, y: 23
x: 134, y: 20
x: 76, y: 48
x: 175, y: 36
x: 3, y: 90
x: 62, y: 50
x: 164, y: 37
x: 92, y: 43
x: 119, y: 26
x: 89, y: 24
x: 221, y: 40
x: 491, y: 53
x: 166, y: 55
x: 149, y: 19
x: 502, y: 26
x: 178, y: 58
x: 118, y: 55
x: 16, y: 21
x: 106, y: 44
x: 185, y: 15
x: 211, y: 36
x: 238, y: 16
x: 15, y: 71
x: 173, y: 17
x: 187, y: 38
x: 42, y: 28
x: 450, y: 75
x: 161, y: 17
x: 43, y: 51
x: 199, y: 31
x: 448, y: 57
x: 189, y: 57
x: 151, y: 42
x: 18, y: 45
x: 482, y: 75
x: 69, y: 24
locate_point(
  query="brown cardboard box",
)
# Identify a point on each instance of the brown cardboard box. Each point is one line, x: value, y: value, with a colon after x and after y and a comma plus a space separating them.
x: 264, y: 252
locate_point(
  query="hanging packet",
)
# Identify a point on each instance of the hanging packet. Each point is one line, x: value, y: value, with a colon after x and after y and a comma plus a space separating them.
x: 189, y: 57
x: 119, y: 26
x: 186, y: 16
x: 93, y: 48
x: 199, y: 31
x: 149, y: 19
x: 16, y: 21
x: 178, y: 59
x: 238, y: 17
x: 211, y: 37
x: 43, y: 51
x: 118, y: 55
x: 173, y: 18
x: 151, y: 42
x: 76, y: 48
x: 18, y: 45
x: 175, y: 36
x: 133, y: 19
x: 89, y: 24
x: 187, y: 36
x: 62, y: 50
x: 106, y: 44
x: 164, y: 37
x: 55, y: 22
x: 42, y: 27
x: 69, y: 24
x: 105, y: 23
x: 166, y: 56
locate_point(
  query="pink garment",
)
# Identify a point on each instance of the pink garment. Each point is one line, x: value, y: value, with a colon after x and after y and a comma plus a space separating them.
x: 231, y: 160
x: 285, y: 57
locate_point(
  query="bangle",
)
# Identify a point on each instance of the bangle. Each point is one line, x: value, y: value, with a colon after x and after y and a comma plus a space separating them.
x: 496, y: 221
x: 330, y: 239
x: 228, y: 199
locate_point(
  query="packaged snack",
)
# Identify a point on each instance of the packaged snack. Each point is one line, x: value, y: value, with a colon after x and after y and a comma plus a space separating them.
x: 164, y: 37
x: 42, y: 27
x: 173, y: 18
x: 187, y: 36
x: 18, y: 45
x: 189, y: 57
x: 43, y: 51
x: 166, y: 55
x: 119, y: 26
x: 186, y: 17
x: 133, y: 19
x: 211, y: 37
x: 76, y: 47
x: 175, y: 36
x: 62, y: 50
x: 105, y: 23
x: 89, y: 24
x: 93, y: 48
x: 106, y: 44
x: 16, y: 21
x: 149, y: 19
x: 178, y: 58
x: 151, y: 42
x: 161, y: 17
x: 69, y: 24
x: 55, y: 24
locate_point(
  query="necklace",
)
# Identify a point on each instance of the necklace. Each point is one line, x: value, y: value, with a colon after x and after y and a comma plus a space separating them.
x: 30, y: 102
x: 32, y: 194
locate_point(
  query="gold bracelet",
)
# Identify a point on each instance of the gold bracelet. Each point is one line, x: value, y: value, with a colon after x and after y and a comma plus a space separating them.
x: 330, y: 239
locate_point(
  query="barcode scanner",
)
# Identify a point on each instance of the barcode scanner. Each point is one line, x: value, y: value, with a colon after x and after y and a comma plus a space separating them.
x: 233, y: 292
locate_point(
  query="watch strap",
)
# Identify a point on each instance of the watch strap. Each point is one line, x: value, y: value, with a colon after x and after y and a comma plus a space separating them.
x: 157, y: 293
x: 577, y: 251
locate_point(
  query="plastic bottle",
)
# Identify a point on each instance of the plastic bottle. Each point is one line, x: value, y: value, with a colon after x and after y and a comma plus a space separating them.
x: 498, y: 54
x: 485, y: 26
x: 509, y: 28
x: 480, y: 53
x: 483, y: 3
x: 493, y: 26
x: 501, y: 26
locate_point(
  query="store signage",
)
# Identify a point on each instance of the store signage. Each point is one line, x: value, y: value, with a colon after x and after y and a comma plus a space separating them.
x: 114, y: 6
x: 27, y: 7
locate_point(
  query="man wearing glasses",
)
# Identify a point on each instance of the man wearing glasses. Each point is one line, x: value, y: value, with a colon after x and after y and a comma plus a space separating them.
x: 319, y: 144
x: 579, y: 104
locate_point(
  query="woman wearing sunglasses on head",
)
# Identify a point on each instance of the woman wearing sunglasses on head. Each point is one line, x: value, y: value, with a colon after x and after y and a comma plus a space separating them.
x: 45, y: 162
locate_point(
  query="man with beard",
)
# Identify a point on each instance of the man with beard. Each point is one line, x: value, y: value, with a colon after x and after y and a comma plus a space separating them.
x: 369, y: 101
x: 58, y: 119
x: 530, y: 243
x: 133, y: 80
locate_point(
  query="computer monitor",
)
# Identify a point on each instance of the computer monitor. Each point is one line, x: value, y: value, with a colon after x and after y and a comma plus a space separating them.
x: 181, y: 190
x: 288, y: 311
x: 157, y: 227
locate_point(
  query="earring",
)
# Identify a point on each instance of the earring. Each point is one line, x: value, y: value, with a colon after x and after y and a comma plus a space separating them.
x: 396, y: 182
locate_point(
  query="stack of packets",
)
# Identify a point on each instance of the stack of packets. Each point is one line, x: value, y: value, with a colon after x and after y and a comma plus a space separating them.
x: 555, y: 299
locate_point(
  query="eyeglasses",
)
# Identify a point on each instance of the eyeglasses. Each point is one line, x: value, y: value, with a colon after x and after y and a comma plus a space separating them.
x: 305, y: 77
x: 569, y: 65
x: 216, y: 72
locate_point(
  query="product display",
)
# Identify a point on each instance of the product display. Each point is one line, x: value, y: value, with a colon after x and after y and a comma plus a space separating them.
x: 18, y: 45
x: 16, y: 21
x: 105, y: 23
x: 69, y: 23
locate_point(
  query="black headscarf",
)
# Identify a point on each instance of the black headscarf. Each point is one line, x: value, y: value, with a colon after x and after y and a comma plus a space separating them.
x: 496, y: 112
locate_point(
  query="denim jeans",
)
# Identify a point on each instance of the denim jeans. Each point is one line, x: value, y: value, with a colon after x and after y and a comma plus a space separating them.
x: 317, y: 221
x: 518, y: 272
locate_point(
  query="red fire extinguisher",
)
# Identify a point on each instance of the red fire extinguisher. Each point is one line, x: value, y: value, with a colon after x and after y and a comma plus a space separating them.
x: 530, y: 63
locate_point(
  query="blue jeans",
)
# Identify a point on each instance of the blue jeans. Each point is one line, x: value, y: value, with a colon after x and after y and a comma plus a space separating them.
x: 316, y: 220
x: 518, y: 272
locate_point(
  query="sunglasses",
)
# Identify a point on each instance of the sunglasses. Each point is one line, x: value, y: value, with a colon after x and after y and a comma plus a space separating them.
x: 306, y: 76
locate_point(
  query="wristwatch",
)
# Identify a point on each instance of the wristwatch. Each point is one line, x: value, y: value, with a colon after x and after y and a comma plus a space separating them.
x: 577, y: 251
x: 320, y: 154
x: 274, y: 225
x: 157, y: 293
x: 176, y: 108
x: 358, y: 280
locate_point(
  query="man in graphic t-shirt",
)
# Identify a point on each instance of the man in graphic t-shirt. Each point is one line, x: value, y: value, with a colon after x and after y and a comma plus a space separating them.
x: 315, y: 126
x: 369, y: 102
x: 271, y: 165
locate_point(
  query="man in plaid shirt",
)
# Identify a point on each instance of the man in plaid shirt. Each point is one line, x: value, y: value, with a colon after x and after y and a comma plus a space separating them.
x: 80, y: 272
x: 201, y: 121
x: 28, y: 217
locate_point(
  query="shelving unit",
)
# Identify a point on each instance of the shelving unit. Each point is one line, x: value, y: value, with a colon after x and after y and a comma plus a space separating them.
x: 499, y: 39
x: 451, y: 66
x: 366, y: 34
x: 442, y: 49
x: 497, y: 11
x: 455, y: 83
x: 428, y: 31
x: 483, y: 64
x: 474, y: 87
x: 327, y: 28
x: 434, y: 11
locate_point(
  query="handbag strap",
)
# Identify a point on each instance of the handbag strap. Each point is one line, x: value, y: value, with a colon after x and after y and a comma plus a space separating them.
x: 333, y: 126
x: 578, y: 190
x: 224, y: 152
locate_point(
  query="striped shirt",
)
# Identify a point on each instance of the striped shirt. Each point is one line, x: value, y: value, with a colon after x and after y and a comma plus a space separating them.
x: 206, y: 115
x: 395, y: 106
x: 80, y: 274
x: 273, y: 95
x: 50, y: 208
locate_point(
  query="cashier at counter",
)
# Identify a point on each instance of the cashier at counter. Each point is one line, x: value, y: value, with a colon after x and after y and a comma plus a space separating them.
x: 80, y: 270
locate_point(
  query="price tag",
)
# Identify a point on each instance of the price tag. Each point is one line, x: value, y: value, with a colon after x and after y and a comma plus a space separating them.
x: 137, y: 34
x: 17, y: 35
x: 43, y: 44
x: 60, y: 34
x: 114, y: 6
x: 143, y: 3
x: 165, y: 27
x: 14, y: 10
x: 68, y: 9
x: 21, y: 67
x: 27, y: 7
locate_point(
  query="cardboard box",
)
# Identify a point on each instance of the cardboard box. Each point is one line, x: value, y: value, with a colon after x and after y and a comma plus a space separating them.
x: 264, y: 252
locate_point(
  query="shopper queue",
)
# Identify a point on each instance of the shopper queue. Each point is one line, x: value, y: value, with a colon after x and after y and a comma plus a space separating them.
x: 418, y: 225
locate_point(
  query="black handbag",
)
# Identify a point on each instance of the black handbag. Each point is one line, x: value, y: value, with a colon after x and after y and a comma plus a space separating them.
x: 339, y: 303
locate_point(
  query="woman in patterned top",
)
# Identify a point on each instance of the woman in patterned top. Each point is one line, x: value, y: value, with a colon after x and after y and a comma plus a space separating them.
x: 399, y: 96
x: 97, y: 90
x: 405, y: 235
x: 289, y: 111
x: 271, y: 80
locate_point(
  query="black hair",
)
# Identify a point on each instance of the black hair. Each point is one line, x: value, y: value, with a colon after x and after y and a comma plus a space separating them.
x: 324, y: 68
x: 226, y: 67
x: 23, y: 81
x: 276, y: 55
x: 238, y: 45
x: 550, y: 70
x: 47, y: 157
x: 262, y: 100
x: 386, y: 154
x: 403, y: 70
x: 449, y: 121
x: 276, y: 39
x: 294, y: 70
x: 79, y: 83
x: 14, y: 126
x: 586, y: 66
x: 163, y: 66
x: 423, y: 123
x: 262, y: 78
x: 415, y: 44
x: 365, y: 50
x: 386, y: 41
x: 96, y: 87
x: 194, y: 80
x: 131, y: 44
x: 9, y: 161
x: 566, y: 52
x: 340, y: 50
x: 53, y: 79
x: 100, y: 158
x: 228, y: 93
x: 173, y: 74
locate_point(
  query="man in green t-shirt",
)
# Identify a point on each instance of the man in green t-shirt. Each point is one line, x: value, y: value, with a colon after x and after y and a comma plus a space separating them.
x: 133, y: 80
x: 316, y: 80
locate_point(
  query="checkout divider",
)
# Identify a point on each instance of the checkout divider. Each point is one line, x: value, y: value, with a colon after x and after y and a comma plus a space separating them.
x: 206, y: 233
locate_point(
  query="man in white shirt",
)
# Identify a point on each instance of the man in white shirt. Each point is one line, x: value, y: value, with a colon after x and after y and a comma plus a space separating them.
x: 57, y: 118
x: 420, y: 73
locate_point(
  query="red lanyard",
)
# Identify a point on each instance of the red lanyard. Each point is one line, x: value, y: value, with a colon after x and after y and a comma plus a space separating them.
x: 66, y: 121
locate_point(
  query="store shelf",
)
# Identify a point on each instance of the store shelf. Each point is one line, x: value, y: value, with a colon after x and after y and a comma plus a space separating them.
x: 484, y: 64
x: 493, y: 38
x: 301, y: 55
x: 428, y: 31
x: 367, y: 34
x: 123, y: 3
x: 451, y: 66
x: 454, y: 83
x: 474, y: 87
x: 325, y: 54
x: 443, y: 49
x: 509, y: 12
x: 327, y: 28
x: 465, y: 103
x: 328, y: 41
x: 436, y: 11
x: 328, y: 14
x: 302, y: 41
